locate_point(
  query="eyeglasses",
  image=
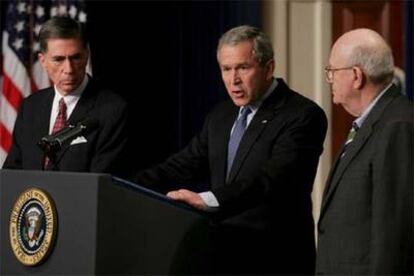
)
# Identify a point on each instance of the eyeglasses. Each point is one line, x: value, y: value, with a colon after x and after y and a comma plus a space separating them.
x: 329, y: 72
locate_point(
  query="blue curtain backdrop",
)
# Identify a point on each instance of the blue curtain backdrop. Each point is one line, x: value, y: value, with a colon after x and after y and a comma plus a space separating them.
x: 161, y: 56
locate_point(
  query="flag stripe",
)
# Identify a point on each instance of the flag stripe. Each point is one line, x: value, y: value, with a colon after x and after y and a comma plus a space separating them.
x: 11, y: 93
x: 7, y: 111
x: 6, y: 138
x: 14, y: 68
x: 3, y: 154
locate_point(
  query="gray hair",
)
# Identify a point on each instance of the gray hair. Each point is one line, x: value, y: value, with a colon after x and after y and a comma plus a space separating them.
x: 262, y: 46
x: 376, y: 62
x: 61, y: 27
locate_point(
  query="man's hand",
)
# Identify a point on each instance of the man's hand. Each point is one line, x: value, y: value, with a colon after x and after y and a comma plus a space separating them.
x: 188, y: 197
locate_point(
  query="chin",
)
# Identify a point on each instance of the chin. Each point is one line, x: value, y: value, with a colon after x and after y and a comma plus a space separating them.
x: 239, y: 102
x: 335, y: 100
x: 67, y: 89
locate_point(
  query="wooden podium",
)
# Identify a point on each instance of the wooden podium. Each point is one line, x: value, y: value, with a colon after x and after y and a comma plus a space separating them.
x: 104, y: 225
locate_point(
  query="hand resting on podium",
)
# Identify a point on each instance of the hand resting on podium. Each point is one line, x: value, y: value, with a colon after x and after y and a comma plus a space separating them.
x: 189, y: 197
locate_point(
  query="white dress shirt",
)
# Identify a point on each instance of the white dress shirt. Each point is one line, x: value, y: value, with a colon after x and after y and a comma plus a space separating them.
x: 70, y: 100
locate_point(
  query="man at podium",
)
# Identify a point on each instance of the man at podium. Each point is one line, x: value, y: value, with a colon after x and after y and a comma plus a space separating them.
x: 80, y: 125
x: 259, y: 153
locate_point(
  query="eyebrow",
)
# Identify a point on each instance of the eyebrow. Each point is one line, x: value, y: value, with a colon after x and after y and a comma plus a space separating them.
x: 71, y: 56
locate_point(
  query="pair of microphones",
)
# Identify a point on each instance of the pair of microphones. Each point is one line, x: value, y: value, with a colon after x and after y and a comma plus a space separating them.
x: 54, y: 142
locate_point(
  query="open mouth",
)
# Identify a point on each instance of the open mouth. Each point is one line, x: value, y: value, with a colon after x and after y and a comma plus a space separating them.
x: 237, y: 93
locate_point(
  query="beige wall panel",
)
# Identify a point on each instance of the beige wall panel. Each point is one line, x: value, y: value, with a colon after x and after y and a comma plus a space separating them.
x: 301, y: 33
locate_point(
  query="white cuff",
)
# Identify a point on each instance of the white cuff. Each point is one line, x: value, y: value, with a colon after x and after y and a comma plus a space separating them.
x: 209, y: 199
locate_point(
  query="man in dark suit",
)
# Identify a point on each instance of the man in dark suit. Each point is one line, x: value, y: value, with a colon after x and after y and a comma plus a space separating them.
x: 366, y: 221
x: 259, y: 153
x: 74, y: 97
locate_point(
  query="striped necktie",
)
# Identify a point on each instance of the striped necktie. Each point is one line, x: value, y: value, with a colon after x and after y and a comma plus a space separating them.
x: 59, y: 123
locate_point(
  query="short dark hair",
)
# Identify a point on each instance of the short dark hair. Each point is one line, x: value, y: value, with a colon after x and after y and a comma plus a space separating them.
x: 61, y: 27
x: 262, y: 46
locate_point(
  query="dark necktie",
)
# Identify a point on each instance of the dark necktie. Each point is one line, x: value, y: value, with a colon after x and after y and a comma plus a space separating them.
x: 350, y: 138
x: 236, y: 136
x: 61, y: 117
x: 59, y: 122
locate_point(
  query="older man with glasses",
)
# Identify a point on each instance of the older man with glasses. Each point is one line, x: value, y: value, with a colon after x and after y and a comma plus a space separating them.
x: 366, y: 220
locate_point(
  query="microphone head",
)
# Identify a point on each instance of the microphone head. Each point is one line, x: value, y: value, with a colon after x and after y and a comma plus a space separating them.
x: 43, y: 143
x: 48, y: 145
x: 54, y: 142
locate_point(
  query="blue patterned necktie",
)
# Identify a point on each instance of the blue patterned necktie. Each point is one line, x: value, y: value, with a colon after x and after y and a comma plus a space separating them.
x: 236, y: 136
x: 350, y: 138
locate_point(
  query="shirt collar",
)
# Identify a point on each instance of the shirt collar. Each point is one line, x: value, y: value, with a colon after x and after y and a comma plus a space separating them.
x: 361, y: 119
x: 255, y: 106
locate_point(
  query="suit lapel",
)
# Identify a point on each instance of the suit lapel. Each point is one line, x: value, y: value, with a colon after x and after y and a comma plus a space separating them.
x: 342, y: 163
x: 85, y: 104
x: 41, y: 123
x: 81, y: 111
x: 264, y: 115
x: 358, y: 143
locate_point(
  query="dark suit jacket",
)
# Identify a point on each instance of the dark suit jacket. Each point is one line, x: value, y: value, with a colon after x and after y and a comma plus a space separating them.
x: 366, y: 221
x: 265, y: 205
x: 103, y: 147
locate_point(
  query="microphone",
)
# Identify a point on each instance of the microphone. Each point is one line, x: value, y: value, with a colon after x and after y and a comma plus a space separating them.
x: 54, y: 142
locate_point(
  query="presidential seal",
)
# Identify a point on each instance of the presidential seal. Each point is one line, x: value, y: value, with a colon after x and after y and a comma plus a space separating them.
x: 33, y: 224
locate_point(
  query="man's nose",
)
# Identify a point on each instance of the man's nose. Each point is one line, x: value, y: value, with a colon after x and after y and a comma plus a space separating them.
x: 236, y: 77
x: 67, y: 66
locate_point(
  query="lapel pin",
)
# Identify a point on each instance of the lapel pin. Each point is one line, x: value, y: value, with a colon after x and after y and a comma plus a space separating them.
x: 264, y: 121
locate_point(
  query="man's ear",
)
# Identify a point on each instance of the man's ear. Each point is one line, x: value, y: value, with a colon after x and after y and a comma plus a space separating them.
x: 359, y: 78
x: 41, y: 58
x: 270, y: 68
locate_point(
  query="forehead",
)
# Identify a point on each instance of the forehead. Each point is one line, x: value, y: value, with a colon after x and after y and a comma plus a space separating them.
x: 233, y: 53
x: 340, y: 54
x: 64, y: 46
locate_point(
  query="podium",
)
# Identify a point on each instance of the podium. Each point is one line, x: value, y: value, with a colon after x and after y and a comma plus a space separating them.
x: 106, y: 225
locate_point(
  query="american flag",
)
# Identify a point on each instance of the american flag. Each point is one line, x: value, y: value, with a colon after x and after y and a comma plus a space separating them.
x: 21, y: 72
